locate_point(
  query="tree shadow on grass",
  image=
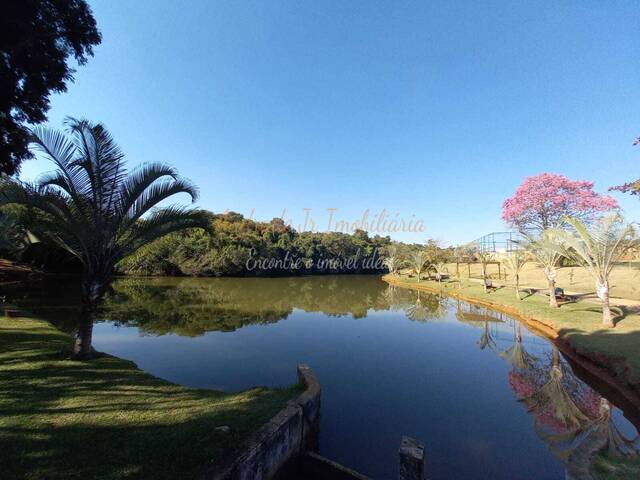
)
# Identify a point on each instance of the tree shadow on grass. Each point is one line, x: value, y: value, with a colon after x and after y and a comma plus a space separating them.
x: 107, y: 419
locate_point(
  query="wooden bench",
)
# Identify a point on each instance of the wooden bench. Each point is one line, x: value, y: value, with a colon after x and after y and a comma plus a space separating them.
x: 488, y: 286
x: 561, y: 296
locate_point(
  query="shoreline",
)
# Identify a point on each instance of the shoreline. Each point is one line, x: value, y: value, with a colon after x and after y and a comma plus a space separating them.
x: 112, y: 414
x: 613, y: 372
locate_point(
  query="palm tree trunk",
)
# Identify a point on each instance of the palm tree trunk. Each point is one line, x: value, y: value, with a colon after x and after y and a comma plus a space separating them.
x: 82, y: 347
x: 484, y: 277
x: 553, y: 302
x: 603, y: 293
x: 92, y: 293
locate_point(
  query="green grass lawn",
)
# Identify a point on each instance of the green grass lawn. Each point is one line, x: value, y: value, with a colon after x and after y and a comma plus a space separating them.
x: 105, y: 419
x: 579, y: 322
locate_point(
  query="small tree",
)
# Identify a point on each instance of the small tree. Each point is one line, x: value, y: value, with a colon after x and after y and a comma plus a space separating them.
x: 393, y: 263
x: 542, y: 201
x: 545, y: 250
x: 597, y: 248
x: 97, y: 210
x: 440, y: 269
x: 458, y: 254
x: 514, y: 261
x: 418, y: 261
x: 484, y: 258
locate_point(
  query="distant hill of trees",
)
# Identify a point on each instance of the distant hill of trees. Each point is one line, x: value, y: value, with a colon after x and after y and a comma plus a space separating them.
x: 237, y: 246
x: 243, y: 247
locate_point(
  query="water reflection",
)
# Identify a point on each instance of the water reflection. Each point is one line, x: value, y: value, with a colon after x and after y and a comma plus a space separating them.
x: 575, y: 421
x: 572, y: 418
x: 191, y: 307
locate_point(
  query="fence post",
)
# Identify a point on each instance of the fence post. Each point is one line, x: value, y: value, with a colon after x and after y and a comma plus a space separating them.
x: 411, y: 459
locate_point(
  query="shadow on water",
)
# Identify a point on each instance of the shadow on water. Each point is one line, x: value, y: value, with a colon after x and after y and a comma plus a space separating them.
x: 573, y: 411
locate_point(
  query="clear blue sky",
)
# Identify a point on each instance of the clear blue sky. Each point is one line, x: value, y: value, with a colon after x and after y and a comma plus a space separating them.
x: 431, y: 109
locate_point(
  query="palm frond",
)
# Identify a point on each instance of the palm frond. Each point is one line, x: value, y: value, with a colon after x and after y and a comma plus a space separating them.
x: 156, y: 192
x: 137, y: 181
x: 160, y: 223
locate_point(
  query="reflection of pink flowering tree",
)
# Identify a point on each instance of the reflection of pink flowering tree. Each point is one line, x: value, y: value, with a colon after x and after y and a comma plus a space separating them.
x: 541, y: 201
x: 573, y: 419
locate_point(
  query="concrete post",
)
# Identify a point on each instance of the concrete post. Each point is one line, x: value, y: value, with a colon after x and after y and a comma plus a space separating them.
x: 411, y: 459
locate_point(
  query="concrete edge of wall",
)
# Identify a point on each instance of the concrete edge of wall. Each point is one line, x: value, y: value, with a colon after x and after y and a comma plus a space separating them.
x: 289, y: 432
x: 317, y: 466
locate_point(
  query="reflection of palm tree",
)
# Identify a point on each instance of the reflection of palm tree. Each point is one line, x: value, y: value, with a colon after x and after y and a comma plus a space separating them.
x: 571, y: 418
x: 419, y: 311
x: 486, y: 339
x: 577, y: 447
x: 390, y: 295
x: 425, y: 307
x: 554, y: 399
x: 516, y: 355
x: 618, y: 445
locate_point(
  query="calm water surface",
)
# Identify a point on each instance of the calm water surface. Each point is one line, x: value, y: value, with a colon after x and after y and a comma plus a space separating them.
x: 488, y: 398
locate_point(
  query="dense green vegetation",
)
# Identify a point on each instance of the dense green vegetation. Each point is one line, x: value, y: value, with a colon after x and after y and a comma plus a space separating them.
x: 96, y: 209
x: 243, y: 247
x: 106, y: 419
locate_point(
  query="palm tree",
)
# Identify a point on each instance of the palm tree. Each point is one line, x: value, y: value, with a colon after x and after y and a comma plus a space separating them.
x: 597, y: 248
x: 393, y: 263
x: 514, y: 261
x: 96, y: 208
x: 440, y: 268
x: 484, y: 258
x: 545, y: 251
x: 417, y: 261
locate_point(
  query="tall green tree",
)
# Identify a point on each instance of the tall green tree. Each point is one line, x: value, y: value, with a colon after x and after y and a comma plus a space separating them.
x: 597, y: 248
x: 97, y: 210
x: 36, y: 40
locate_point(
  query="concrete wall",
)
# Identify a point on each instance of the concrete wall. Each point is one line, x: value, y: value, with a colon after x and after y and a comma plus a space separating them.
x: 291, y: 431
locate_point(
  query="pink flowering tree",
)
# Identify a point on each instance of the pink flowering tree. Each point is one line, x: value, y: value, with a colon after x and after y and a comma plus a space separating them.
x: 540, y: 202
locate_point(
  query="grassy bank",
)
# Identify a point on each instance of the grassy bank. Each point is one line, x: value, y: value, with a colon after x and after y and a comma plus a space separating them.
x: 624, y: 280
x: 579, y: 323
x: 106, y: 419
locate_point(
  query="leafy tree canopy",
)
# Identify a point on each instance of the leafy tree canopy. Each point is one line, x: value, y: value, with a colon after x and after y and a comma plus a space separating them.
x: 36, y: 40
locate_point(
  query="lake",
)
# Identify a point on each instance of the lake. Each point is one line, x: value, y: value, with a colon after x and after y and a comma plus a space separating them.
x: 487, y: 397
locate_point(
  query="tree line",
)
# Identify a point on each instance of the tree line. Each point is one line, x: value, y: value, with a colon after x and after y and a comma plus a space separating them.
x: 237, y: 246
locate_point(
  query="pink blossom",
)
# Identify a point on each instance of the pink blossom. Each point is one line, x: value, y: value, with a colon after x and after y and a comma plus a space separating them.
x: 541, y: 201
